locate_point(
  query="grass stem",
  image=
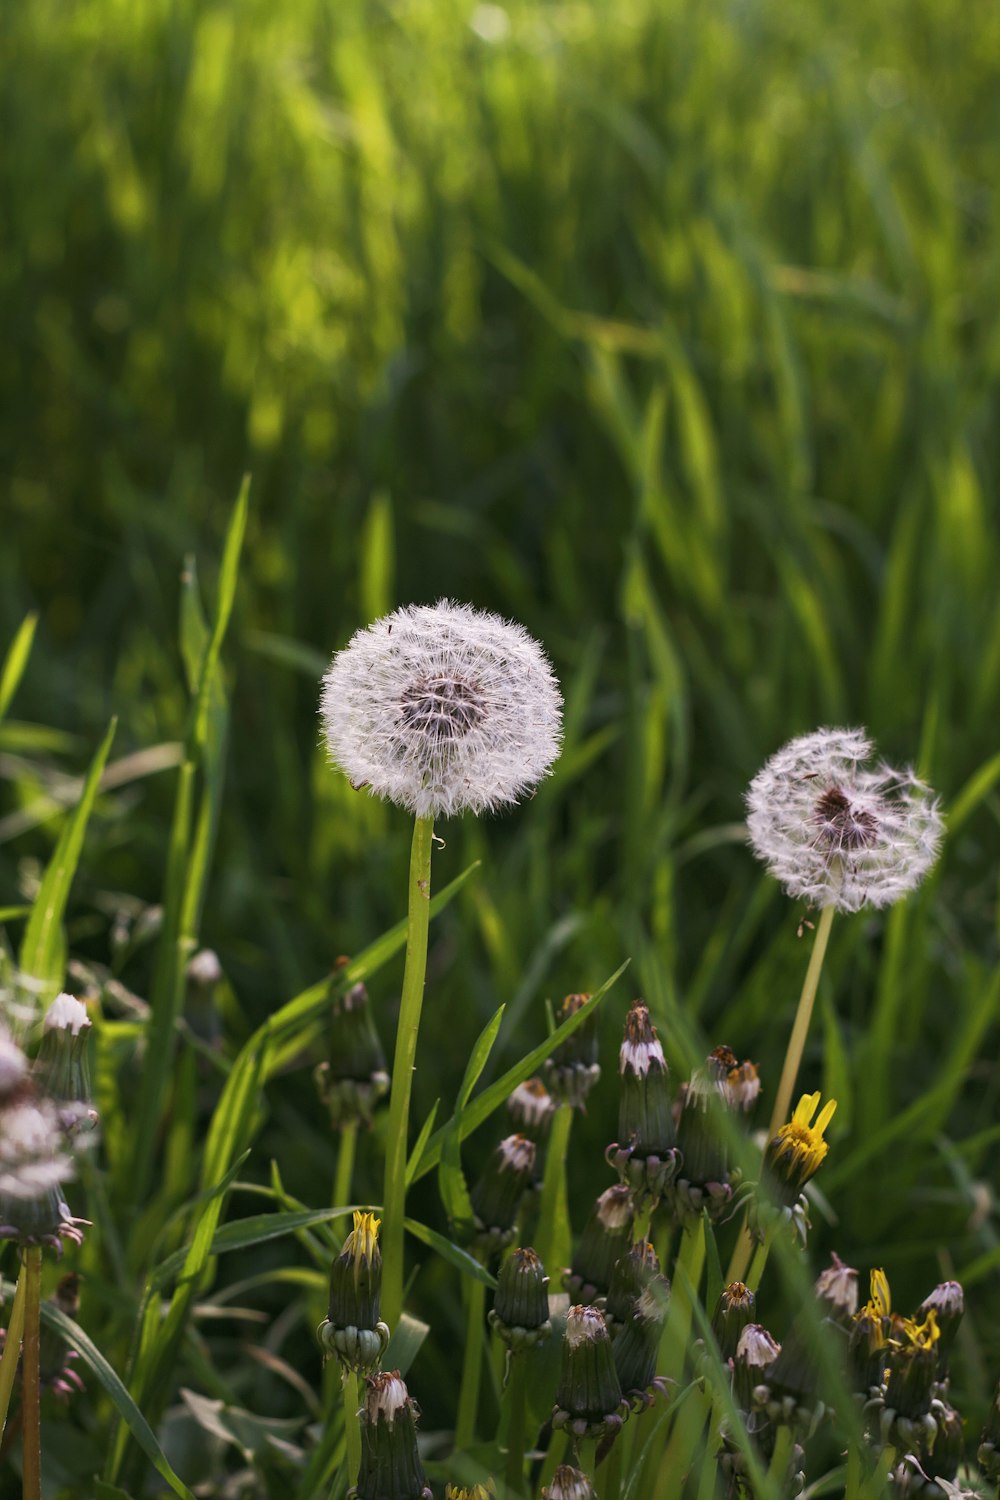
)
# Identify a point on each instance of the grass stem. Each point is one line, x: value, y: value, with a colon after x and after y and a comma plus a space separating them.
x: 394, y: 1195
x: 472, y: 1364
x: 11, y: 1350
x: 553, y: 1219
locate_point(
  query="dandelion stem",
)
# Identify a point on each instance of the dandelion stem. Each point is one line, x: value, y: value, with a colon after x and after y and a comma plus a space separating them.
x: 352, y: 1425
x: 394, y: 1196
x: 517, y: 1391
x: 345, y: 1164
x: 777, y: 1471
x: 759, y: 1261
x: 610, y: 1478
x: 472, y: 1364
x: 551, y: 1240
x: 11, y: 1350
x: 800, y: 1027
x: 31, y: 1441
x: 686, y: 1280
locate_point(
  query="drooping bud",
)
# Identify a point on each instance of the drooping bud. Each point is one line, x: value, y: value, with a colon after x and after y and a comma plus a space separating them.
x: 733, y: 1312
x: 390, y: 1463
x: 531, y: 1108
x: 353, y: 1329
x: 947, y: 1301
x: 496, y: 1197
x: 589, y: 1399
x: 573, y: 1068
x: 61, y: 1069
x: 645, y: 1155
x: 606, y: 1236
x: 630, y: 1276
x: 638, y: 1343
x: 837, y: 1288
x: 520, y: 1312
x: 569, y: 1484
x: 354, y: 1079
x: 755, y: 1354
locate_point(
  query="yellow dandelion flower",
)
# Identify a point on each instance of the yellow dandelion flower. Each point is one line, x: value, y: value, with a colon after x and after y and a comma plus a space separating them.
x: 796, y: 1153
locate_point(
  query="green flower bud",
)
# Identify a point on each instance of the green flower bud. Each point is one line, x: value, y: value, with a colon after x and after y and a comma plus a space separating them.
x: 520, y: 1312
x: 755, y: 1354
x: 589, y: 1400
x: 61, y: 1069
x: 354, y: 1079
x: 573, y: 1069
x: 638, y: 1344
x: 606, y: 1237
x: 353, y: 1330
x: 733, y: 1312
x: 947, y: 1302
x: 496, y: 1197
x: 645, y: 1154
x: 631, y: 1274
x: 531, y: 1108
x: 390, y: 1464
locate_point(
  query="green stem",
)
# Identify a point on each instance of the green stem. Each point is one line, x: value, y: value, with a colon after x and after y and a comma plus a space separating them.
x: 345, y: 1164
x: 11, y: 1350
x: 800, y: 1026
x: 472, y: 1365
x: 517, y: 1408
x: 852, y: 1485
x: 778, y: 1469
x: 686, y: 1280
x: 610, y: 1477
x: 31, y: 1441
x: 709, y: 1468
x: 759, y: 1261
x: 394, y: 1195
x: 352, y: 1426
x: 876, y: 1486
x: 553, y: 1218
x: 685, y: 1435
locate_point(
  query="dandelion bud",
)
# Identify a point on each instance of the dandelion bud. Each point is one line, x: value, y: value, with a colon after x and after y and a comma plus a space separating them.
x: 733, y: 1312
x: 703, y: 1181
x: 531, y: 1108
x: 606, y: 1237
x: 496, y: 1197
x: 795, y: 1154
x: 947, y: 1301
x: 390, y: 1463
x: 62, y: 1069
x: 793, y: 1381
x: 837, y: 1287
x: 204, y: 975
x: 630, y: 1276
x: 989, y: 1443
x: 353, y: 1330
x: 835, y: 833
x: 755, y: 1354
x: 645, y: 1156
x: 589, y: 1396
x: 442, y: 707
x: 869, y: 1336
x: 638, y: 1343
x: 485, y: 1491
x: 573, y: 1069
x: 912, y: 1365
x: 569, y: 1484
x: 354, y: 1079
x: 520, y: 1312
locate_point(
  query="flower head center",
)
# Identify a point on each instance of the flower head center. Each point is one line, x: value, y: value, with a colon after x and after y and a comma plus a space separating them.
x: 442, y: 707
x: 842, y: 823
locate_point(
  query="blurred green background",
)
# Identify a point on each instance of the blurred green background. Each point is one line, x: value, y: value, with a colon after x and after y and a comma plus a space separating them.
x: 670, y: 330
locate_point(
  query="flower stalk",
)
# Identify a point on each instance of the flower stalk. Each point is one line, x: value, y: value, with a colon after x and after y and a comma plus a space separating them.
x: 31, y: 1440
x: 394, y: 1195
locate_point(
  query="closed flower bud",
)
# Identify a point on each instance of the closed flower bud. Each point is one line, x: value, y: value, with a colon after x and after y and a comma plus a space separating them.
x: 353, y: 1330
x: 947, y: 1301
x: 496, y: 1197
x: 645, y: 1154
x: 913, y: 1365
x: 62, y: 1069
x: 638, y: 1343
x: 733, y: 1312
x: 531, y: 1108
x: 703, y: 1181
x: 869, y: 1334
x: 390, y: 1464
x: 520, y: 1312
x: 630, y: 1276
x: 755, y: 1354
x: 589, y: 1399
x: 569, y: 1484
x: 485, y: 1491
x: 837, y: 1287
x: 606, y: 1236
x: 354, y: 1079
x: 573, y: 1069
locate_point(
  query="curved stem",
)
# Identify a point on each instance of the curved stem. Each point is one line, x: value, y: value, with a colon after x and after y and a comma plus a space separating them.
x: 11, y: 1350
x: 472, y: 1365
x: 800, y: 1026
x: 31, y: 1442
x: 394, y: 1195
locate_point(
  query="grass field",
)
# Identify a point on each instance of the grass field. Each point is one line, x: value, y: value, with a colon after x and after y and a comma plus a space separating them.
x: 670, y: 331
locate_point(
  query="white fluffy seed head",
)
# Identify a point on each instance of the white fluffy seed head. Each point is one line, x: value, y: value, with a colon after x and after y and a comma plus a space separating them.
x: 32, y: 1158
x: 836, y: 832
x: 442, y: 707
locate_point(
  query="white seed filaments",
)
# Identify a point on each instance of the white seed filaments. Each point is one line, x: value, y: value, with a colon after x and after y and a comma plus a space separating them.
x: 442, y: 707
x: 839, y: 833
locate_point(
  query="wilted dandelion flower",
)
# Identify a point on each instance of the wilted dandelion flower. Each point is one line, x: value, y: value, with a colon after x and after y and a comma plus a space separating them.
x: 442, y: 707
x: 836, y: 831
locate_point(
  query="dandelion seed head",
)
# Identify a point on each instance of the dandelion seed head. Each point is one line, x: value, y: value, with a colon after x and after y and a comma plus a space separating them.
x: 837, y: 830
x: 442, y: 708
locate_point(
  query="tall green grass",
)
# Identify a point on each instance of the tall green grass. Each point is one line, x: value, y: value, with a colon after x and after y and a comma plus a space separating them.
x: 670, y: 331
